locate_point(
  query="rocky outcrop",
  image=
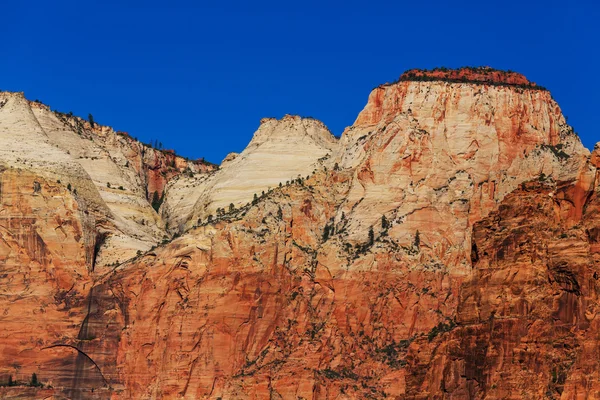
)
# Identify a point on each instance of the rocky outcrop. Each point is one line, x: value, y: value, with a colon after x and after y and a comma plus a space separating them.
x: 527, y: 319
x: 116, y: 176
x: 229, y: 157
x: 280, y: 151
x: 47, y: 250
x: 261, y: 304
x: 445, y: 247
x: 435, y: 156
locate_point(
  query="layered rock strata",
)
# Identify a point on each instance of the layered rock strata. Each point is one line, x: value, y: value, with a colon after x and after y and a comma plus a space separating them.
x: 114, y: 175
x: 280, y: 151
x: 446, y: 248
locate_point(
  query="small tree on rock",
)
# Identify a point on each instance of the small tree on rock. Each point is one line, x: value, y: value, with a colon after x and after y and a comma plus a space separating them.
x: 384, y: 223
x: 34, y: 380
x: 326, y: 232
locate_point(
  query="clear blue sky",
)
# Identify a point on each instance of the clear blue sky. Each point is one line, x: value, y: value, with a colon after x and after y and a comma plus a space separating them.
x: 199, y: 75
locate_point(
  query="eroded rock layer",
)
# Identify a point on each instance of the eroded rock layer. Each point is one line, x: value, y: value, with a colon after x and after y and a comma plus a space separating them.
x: 117, y: 177
x: 280, y: 151
x: 448, y: 246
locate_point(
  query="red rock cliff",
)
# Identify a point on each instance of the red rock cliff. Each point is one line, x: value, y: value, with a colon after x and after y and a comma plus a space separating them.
x: 449, y: 249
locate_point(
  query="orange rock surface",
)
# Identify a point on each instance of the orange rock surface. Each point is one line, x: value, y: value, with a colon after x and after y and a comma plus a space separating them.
x: 449, y: 248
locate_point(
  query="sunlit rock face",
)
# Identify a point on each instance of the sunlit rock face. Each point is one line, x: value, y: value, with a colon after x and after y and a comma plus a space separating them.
x: 280, y: 151
x: 435, y: 156
x: 530, y: 306
x: 114, y: 175
x: 447, y: 246
x: 46, y: 255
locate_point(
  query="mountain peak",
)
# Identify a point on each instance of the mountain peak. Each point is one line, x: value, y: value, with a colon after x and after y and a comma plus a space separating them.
x: 291, y: 126
x: 6, y: 93
x: 445, y: 208
x: 478, y: 88
x: 291, y: 118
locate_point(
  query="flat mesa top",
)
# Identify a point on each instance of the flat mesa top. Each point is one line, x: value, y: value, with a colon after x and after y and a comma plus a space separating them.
x: 480, y: 75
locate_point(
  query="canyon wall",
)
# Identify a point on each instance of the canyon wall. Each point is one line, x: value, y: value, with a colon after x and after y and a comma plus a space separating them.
x: 447, y: 246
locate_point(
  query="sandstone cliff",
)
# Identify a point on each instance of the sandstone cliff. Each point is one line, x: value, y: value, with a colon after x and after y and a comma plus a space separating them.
x: 447, y: 246
x: 114, y: 175
x: 436, y: 156
x: 280, y: 151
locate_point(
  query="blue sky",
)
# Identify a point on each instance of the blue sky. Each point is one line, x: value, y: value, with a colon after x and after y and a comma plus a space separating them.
x: 199, y: 76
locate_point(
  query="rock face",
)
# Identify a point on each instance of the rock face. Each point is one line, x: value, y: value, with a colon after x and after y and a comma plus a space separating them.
x: 527, y: 319
x: 46, y: 257
x: 435, y: 156
x: 113, y: 174
x: 280, y: 151
x: 447, y: 246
